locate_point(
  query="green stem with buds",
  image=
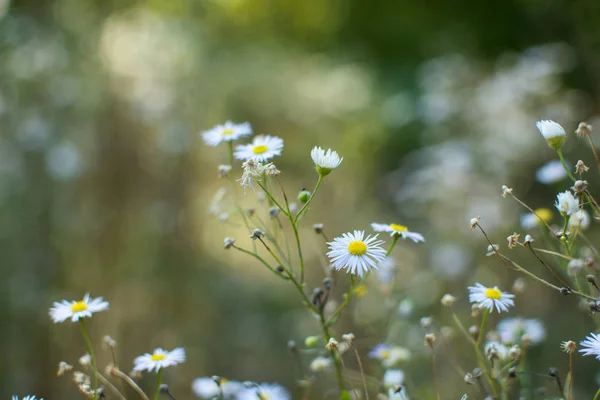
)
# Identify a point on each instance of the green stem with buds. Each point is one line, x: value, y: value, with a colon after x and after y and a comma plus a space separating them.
x: 158, y: 382
x: 88, y: 344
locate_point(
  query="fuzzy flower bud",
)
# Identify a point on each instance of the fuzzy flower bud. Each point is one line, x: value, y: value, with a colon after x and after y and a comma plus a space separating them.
x: 228, y: 242
x: 448, y: 300
x: 554, y: 134
x: 583, y: 130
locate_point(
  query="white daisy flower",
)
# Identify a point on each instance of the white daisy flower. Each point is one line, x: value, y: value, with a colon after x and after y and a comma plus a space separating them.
x: 551, y: 172
x: 511, y: 330
x: 74, y: 310
x: 501, y: 349
x: 400, y: 230
x: 531, y: 220
x: 265, y: 391
x: 554, y: 134
x: 393, y: 378
x: 207, y: 388
x: 566, y: 203
x: 381, y: 352
x: 390, y: 355
x: 490, y: 297
x: 320, y: 364
x: 579, y: 220
x: 25, y: 398
x: 226, y: 133
x: 325, y: 161
x: 159, y: 359
x: 261, y: 149
x: 354, y: 252
x: 591, y: 346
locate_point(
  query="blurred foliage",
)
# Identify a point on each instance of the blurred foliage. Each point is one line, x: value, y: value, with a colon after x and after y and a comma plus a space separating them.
x: 105, y: 184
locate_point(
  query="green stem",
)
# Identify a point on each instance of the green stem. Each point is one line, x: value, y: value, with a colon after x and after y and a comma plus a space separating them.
x: 597, y: 395
x: 480, y: 358
x: 88, y: 344
x: 271, y: 198
x: 483, y: 319
x: 158, y: 382
x: 394, y: 241
x: 312, y: 196
x: 564, y: 164
x: 334, y: 354
x: 297, y: 236
x: 230, y: 151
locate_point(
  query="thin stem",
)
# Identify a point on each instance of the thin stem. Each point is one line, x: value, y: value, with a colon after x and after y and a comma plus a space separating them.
x: 435, y: 380
x: 230, y: 152
x: 570, y: 375
x: 158, y: 382
x: 334, y: 355
x: 271, y: 198
x: 259, y: 258
x: 597, y: 395
x: 119, y: 374
x: 356, y: 395
x: 533, y: 212
x: 312, y: 196
x: 564, y: 164
x: 300, y: 257
x: 483, y: 319
x: 112, y: 387
x: 362, y: 372
x: 88, y: 343
x: 594, y: 151
x: 547, y: 266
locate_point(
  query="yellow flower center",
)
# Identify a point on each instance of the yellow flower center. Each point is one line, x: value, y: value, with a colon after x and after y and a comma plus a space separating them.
x: 227, y: 132
x: 545, y: 214
x: 158, y: 357
x: 385, y: 354
x: 493, y: 293
x: 260, y: 149
x: 263, y: 396
x: 79, y: 306
x: 399, y: 228
x: 357, y: 248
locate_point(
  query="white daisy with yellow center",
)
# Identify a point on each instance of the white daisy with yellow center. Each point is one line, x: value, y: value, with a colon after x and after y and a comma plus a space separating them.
x: 591, y: 345
x: 75, y: 310
x: 25, y: 398
x: 490, y: 297
x: 226, y: 133
x: 398, y: 230
x: 261, y: 149
x: 354, y: 252
x: 159, y: 359
x: 264, y: 391
x: 325, y: 161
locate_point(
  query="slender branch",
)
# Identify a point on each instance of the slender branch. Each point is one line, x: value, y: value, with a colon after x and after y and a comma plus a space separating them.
x: 119, y: 374
x: 88, y: 344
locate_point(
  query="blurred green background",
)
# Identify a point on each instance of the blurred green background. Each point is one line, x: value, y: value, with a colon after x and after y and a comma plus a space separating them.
x: 105, y: 183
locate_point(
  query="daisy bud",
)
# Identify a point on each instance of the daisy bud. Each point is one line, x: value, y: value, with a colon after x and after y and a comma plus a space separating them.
x: 512, y: 372
x: 257, y: 234
x: 292, y: 345
x: 514, y: 352
x: 303, y: 196
x: 85, y: 360
x: 474, y: 222
x: 63, y: 367
x: 506, y: 191
x: 492, y: 353
x: 108, y: 342
x: 469, y: 379
x: 224, y: 217
x: 274, y: 212
x: 430, y: 340
x: 583, y: 130
x: 575, y: 266
x: 474, y: 332
x: 280, y: 268
x: 526, y: 340
x: 448, y: 300
x: 568, y: 346
x: 318, y: 228
x: 348, y: 337
x: 272, y: 170
x: 519, y: 285
x: 228, y: 242
x: 250, y: 211
x: 163, y: 389
x: 554, y: 134
x: 580, y: 167
x: 492, y: 249
x: 327, y: 283
x: 332, y: 344
x: 513, y: 240
x: 311, y: 341
x: 426, y: 322
x: 224, y: 170
x: 580, y: 187
x: 475, y: 311
x: 528, y: 240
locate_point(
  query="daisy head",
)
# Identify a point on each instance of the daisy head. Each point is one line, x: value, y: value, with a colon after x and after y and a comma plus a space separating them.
x: 495, y: 347
x: 554, y: 134
x: 264, y: 391
x: 398, y: 230
x: 512, y: 329
x: 566, y: 203
x: 490, y: 297
x: 226, y: 133
x: 75, y: 310
x: 551, y: 172
x: 25, y: 398
x: 354, y: 252
x: 207, y: 388
x: 325, y: 161
x: 159, y: 359
x: 568, y: 346
x: 591, y: 346
x: 393, y: 378
x: 261, y: 149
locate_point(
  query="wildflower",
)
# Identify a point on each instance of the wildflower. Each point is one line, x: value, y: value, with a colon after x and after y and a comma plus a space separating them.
x: 566, y: 203
x: 580, y: 187
x: 493, y: 348
x: 490, y: 297
x: 261, y: 149
x: 583, y: 129
x: 257, y: 234
x: 580, y: 167
x: 398, y: 230
x: 393, y: 378
x: 528, y: 240
x: 108, y: 342
x: 448, y: 300
x: 579, y: 220
x: 264, y: 391
x: 389, y: 355
x: 348, y: 337
x: 514, y: 352
x: 85, y: 360
x: 208, y: 388
x: 332, y: 344
x: 253, y: 170
x: 536, y: 218
x: 25, y: 398
x: 513, y: 240
x: 320, y: 364
x: 272, y: 170
x: 226, y: 133
x: 511, y: 329
x: 75, y: 310
x: 474, y: 222
x: 325, y: 161
x: 591, y: 345
x: 426, y: 322
x: 553, y: 133
x: 355, y: 253
x: 430, y: 340
x: 63, y: 367
x: 159, y: 359
x: 568, y: 346
x: 506, y: 191
x: 551, y: 172
x: 228, y: 242
x: 224, y: 170
x: 318, y: 228
x: 492, y: 249
x: 387, y: 270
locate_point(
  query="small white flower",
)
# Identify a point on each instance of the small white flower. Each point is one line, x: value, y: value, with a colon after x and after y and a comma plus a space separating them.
x: 393, y: 378
x: 320, y: 364
x: 511, y: 330
x: 261, y: 149
x: 25, y: 398
x: 387, y: 270
x: 226, y: 133
x: 579, y: 220
x: 551, y: 172
x: 566, y: 203
x: 159, y: 359
x: 354, y: 252
x: 490, y: 297
x: 74, y: 310
x: 85, y: 360
x: 206, y: 388
x: 265, y: 391
x: 591, y: 346
x: 253, y: 170
x: 553, y: 133
x: 399, y: 230
x: 501, y: 349
x: 325, y: 161
x: 390, y: 355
